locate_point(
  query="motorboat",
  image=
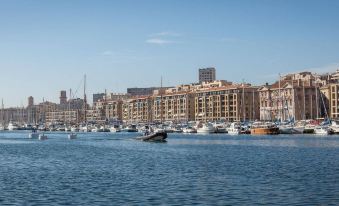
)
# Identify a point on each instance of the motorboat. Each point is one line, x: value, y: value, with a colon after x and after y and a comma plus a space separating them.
x: 323, y: 130
x: 68, y: 129
x: 12, y: 126
x: 206, y: 129
x: 291, y: 129
x: 33, y: 135
x: 74, y: 129
x: 104, y: 129
x: 130, y: 128
x: 309, y: 129
x: 86, y: 128
x: 189, y: 130
x: 42, y: 136
x: 335, y: 127
x: 268, y: 128
x: 154, y: 137
x: 115, y: 128
x: 219, y: 128
x: 234, y: 129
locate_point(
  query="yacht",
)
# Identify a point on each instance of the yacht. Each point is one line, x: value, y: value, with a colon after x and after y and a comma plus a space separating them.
x: 68, y: 129
x: 12, y: 126
x: 74, y: 129
x: 115, y: 128
x: 189, y: 129
x: 335, y: 127
x: 291, y: 129
x: 104, y: 129
x: 206, y: 129
x: 130, y: 128
x: 234, y: 129
x: 259, y: 128
x: 323, y: 130
x: 85, y: 128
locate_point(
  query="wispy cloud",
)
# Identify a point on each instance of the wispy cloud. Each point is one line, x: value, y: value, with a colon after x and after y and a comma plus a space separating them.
x: 163, y: 38
x: 159, y: 41
x: 107, y: 53
x: 166, y: 33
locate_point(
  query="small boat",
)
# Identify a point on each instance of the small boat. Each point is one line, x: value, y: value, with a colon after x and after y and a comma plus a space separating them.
x: 130, y: 128
x: 189, y: 130
x: 154, y: 137
x: 264, y: 129
x: 206, y: 129
x: 309, y: 129
x: 33, y: 135
x: 12, y: 126
x: 72, y: 136
x: 2, y: 128
x: 323, y: 130
x: 335, y: 127
x: 42, y: 136
x: 115, y: 128
x: 291, y: 129
x: 68, y: 129
x: 234, y: 129
x: 74, y: 129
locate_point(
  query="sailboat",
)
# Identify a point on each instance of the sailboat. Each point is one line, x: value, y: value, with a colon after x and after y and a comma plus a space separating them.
x: 71, y: 135
x: 2, y: 126
x: 324, y: 128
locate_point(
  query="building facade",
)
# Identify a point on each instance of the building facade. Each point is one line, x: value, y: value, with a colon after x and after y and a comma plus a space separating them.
x: 207, y: 74
x: 293, y: 97
x: 230, y: 103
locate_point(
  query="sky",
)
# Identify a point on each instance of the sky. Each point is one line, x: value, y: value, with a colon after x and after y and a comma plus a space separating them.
x: 48, y: 46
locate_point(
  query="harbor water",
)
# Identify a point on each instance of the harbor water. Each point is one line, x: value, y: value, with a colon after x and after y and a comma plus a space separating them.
x: 115, y: 169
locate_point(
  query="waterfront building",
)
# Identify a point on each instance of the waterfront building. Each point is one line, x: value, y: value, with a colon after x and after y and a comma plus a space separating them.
x: 94, y: 115
x: 148, y: 91
x: 98, y: 96
x: 63, y: 117
x: 63, y: 97
x: 137, y: 109
x: 330, y: 96
x: 229, y: 103
x: 110, y: 110
x: 175, y: 106
x: 207, y: 74
x: 30, y: 101
x: 294, y: 96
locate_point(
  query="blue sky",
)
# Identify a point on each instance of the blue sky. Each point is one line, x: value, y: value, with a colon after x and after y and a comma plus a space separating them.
x: 47, y: 46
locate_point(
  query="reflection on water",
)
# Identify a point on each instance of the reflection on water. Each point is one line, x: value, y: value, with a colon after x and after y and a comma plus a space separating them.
x: 113, y: 169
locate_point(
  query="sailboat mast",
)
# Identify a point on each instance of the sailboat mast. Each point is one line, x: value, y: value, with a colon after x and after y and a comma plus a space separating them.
x: 161, y: 115
x: 85, y: 100
x: 243, y: 101
x: 304, y: 100
x: 280, y: 100
x: 316, y: 101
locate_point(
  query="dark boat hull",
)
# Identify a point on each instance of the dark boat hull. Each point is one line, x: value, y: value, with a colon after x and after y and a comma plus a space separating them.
x: 156, y: 137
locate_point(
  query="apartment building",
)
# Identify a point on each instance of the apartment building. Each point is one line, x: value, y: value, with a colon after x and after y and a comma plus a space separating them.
x: 229, y: 103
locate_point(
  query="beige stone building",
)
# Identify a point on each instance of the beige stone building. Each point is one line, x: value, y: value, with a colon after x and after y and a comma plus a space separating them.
x: 137, y: 109
x: 173, y: 106
x: 294, y: 96
x: 65, y: 117
x: 230, y: 103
